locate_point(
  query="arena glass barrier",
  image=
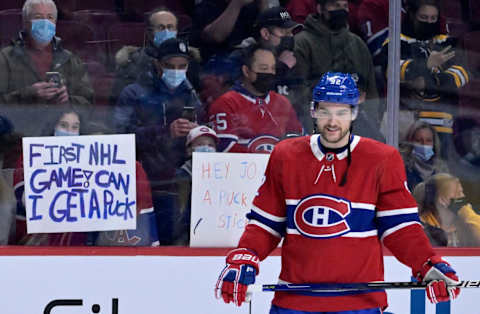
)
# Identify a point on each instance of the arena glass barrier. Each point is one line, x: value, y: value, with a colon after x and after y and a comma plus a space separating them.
x: 173, y: 280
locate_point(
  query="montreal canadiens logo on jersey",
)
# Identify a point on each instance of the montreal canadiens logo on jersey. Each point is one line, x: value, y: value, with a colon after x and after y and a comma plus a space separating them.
x: 262, y: 144
x: 322, y: 216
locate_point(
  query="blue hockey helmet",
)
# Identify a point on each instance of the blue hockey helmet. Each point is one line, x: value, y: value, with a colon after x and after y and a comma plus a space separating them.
x: 336, y: 88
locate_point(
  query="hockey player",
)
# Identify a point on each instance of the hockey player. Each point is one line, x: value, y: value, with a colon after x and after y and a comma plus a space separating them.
x: 335, y: 198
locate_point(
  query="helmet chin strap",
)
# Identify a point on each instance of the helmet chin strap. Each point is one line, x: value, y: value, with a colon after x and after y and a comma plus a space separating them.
x: 349, y: 156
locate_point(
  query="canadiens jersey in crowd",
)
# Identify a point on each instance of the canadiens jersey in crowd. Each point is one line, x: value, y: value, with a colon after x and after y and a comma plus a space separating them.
x: 145, y: 235
x: 334, y: 233
x: 246, y: 123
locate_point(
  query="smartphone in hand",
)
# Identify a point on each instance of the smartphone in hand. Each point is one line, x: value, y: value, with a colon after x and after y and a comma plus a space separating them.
x: 189, y: 114
x: 55, y: 77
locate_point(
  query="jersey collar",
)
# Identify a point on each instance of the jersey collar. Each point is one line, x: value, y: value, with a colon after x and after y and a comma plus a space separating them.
x: 317, y: 152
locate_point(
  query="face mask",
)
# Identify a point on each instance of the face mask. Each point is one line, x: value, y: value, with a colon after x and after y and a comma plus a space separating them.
x: 173, y: 78
x: 59, y: 132
x: 264, y: 82
x: 456, y: 204
x: 161, y: 36
x: 338, y: 19
x: 424, y: 152
x: 286, y: 43
x: 43, y: 30
x: 204, y: 149
x: 425, y: 30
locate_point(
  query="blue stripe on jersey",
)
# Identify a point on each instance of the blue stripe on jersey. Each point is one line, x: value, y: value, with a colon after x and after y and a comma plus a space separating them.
x: 225, y: 143
x: 336, y: 293
x: 277, y: 226
x: 387, y: 222
x: 280, y: 310
x: 359, y: 220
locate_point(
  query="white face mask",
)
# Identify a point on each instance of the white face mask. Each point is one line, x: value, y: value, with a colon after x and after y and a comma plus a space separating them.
x: 173, y: 78
x: 204, y: 149
x: 60, y: 132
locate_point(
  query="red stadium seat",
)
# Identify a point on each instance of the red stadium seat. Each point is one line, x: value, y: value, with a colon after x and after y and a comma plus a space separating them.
x: 101, y: 81
x: 80, y: 39
x: 99, y: 20
x: 11, y: 4
x: 10, y: 25
x: 451, y: 9
x: 125, y: 33
x: 96, y: 5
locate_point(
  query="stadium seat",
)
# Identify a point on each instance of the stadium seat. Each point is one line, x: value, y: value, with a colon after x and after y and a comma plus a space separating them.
x: 98, y: 20
x: 79, y: 38
x: 11, y: 4
x: 451, y: 9
x: 101, y: 80
x: 10, y: 25
x: 96, y: 5
x: 125, y: 33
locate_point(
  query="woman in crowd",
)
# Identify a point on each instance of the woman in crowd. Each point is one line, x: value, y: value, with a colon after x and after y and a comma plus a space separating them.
x: 65, y: 122
x: 448, y: 218
x: 421, y: 153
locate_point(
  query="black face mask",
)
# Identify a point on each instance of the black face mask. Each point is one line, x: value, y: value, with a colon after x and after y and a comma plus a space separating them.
x: 456, y: 204
x: 286, y: 43
x: 264, y: 83
x: 425, y: 30
x: 338, y: 19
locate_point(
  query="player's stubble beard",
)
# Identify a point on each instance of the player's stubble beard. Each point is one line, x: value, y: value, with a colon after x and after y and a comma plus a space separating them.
x: 329, y: 139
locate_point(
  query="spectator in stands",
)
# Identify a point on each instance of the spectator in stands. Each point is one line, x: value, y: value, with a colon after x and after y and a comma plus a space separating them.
x: 275, y: 30
x: 325, y: 45
x: 7, y: 210
x: 199, y: 139
x: 161, y: 24
x: 160, y: 108
x: 146, y: 233
x: 24, y: 64
x: 220, y: 25
x: 66, y: 122
x: 465, y: 158
x: 251, y: 117
x: 421, y: 152
x: 447, y: 216
x: 430, y: 71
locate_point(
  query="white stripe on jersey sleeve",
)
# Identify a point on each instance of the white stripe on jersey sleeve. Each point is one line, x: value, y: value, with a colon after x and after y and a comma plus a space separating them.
x: 398, y: 227
x: 291, y: 202
x: 363, y: 206
x: 267, y: 215
x: 363, y: 234
x: 265, y: 227
x: 394, y: 212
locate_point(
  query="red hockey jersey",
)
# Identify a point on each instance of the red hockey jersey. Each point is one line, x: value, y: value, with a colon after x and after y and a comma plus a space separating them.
x: 334, y: 233
x: 247, y: 124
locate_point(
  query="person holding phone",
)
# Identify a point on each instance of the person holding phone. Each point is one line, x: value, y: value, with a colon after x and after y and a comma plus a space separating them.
x: 35, y: 58
x: 161, y: 107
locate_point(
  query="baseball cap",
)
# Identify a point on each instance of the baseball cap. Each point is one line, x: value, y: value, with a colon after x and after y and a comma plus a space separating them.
x: 277, y: 16
x: 172, y: 47
x: 200, y: 131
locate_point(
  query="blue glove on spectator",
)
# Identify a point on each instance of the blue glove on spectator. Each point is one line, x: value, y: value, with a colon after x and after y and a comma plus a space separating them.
x: 241, y: 269
x: 438, y: 274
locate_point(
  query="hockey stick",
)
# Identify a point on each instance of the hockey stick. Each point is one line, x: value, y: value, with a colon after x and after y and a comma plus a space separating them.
x: 337, y: 287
